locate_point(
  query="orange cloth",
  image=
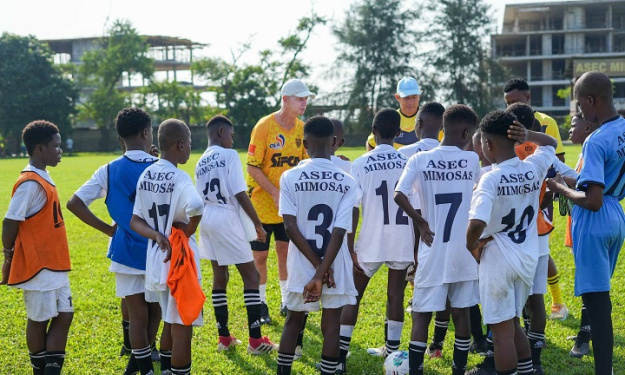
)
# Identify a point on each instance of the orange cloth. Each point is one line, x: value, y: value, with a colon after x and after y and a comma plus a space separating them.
x: 41, y: 241
x: 182, y: 279
x: 543, y: 223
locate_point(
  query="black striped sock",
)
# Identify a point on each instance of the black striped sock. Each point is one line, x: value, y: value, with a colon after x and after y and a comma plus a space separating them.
x: 182, y: 370
x: 54, y: 362
x: 165, y: 360
x: 440, y: 331
x: 38, y: 362
x: 525, y: 366
x: 461, y: 352
x: 143, y: 357
x: 344, y: 342
x: 537, y: 341
x: 132, y: 365
x: 328, y: 365
x: 252, y: 304
x: 220, y: 304
x: 476, y: 323
x: 392, y: 346
x: 415, y: 357
x: 285, y: 362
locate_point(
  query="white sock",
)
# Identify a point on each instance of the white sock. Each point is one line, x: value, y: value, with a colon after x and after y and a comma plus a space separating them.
x: 262, y: 288
x: 283, y: 291
x: 346, y: 331
x: 394, y: 330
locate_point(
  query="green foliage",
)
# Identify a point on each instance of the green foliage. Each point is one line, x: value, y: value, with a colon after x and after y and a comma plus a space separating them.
x: 378, y: 45
x: 167, y: 99
x: 247, y: 92
x: 31, y: 88
x: 123, y: 51
x: 457, y: 31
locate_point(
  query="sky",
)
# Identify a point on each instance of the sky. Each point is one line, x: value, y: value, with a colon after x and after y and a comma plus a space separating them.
x: 224, y: 25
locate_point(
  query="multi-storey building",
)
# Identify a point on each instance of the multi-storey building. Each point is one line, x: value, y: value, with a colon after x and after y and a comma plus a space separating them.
x: 551, y: 43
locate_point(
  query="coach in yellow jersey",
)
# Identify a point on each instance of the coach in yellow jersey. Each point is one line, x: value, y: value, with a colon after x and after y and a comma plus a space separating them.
x: 276, y: 145
x: 408, y: 95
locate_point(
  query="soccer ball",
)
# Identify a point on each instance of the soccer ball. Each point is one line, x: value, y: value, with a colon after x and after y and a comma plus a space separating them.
x: 397, y: 363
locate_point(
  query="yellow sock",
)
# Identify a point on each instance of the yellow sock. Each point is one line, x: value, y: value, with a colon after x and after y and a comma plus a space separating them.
x: 554, y: 289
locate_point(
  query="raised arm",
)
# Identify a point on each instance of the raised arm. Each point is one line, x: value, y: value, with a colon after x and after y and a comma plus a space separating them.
x: 591, y: 198
x: 522, y: 135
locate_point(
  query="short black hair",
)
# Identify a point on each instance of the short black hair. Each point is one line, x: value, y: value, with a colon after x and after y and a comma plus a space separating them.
x: 497, y: 123
x: 434, y: 108
x: 387, y: 122
x: 170, y: 132
x: 516, y: 83
x: 218, y: 120
x: 524, y: 114
x: 38, y: 132
x: 319, y: 126
x: 132, y: 121
x: 621, y: 112
x: 459, y: 114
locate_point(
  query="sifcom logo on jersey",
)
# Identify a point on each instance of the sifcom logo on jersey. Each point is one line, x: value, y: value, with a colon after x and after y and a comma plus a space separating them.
x: 279, y: 144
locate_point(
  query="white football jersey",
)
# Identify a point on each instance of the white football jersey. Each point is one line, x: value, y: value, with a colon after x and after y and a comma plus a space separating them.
x: 386, y: 232
x: 443, y: 178
x: 425, y: 144
x: 219, y: 176
x: 165, y: 195
x: 321, y: 196
x: 345, y: 165
x: 506, y: 199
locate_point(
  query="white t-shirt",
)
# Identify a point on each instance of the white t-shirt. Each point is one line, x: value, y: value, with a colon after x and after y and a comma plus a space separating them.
x: 506, y: 199
x: 165, y: 195
x: 443, y: 179
x: 422, y: 145
x: 345, y: 165
x: 321, y: 196
x: 386, y: 232
x: 96, y: 188
x: 219, y: 176
x: 30, y: 198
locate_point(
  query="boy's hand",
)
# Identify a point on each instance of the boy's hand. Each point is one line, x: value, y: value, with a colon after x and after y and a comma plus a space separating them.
x: 261, y: 235
x: 357, y: 268
x: 163, y: 243
x: 552, y: 183
x: 479, y: 248
x: 328, y: 279
x: 183, y: 227
x: 343, y: 157
x: 154, y: 151
x: 312, y: 290
x: 112, y: 230
x: 517, y: 132
x: 427, y: 236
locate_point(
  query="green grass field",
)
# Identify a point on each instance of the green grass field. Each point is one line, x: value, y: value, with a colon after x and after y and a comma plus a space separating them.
x: 95, y: 336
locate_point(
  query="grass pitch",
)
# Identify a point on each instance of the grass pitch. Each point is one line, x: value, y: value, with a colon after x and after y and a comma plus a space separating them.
x: 96, y: 334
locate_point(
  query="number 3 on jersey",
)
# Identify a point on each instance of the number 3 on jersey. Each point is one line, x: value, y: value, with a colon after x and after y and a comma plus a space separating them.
x: 322, y: 229
x: 213, y: 186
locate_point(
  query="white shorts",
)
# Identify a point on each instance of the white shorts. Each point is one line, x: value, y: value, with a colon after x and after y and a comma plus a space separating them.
x: 543, y: 245
x: 540, y: 278
x: 43, y: 306
x: 169, y: 308
x: 370, y: 268
x: 129, y: 285
x: 222, y: 237
x: 502, y: 292
x: 461, y: 294
x: 295, y: 302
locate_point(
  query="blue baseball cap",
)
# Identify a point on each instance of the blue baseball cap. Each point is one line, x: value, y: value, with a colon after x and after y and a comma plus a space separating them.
x: 408, y: 86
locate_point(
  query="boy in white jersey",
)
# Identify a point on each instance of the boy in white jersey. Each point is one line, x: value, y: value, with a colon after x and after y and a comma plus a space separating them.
x: 36, y: 252
x: 219, y: 180
x: 443, y: 178
x: 316, y: 201
x: 166, y: 196
x: 428, y: 126
x: 117, y: 183
x: 386, y: 234
x: 502, y: 233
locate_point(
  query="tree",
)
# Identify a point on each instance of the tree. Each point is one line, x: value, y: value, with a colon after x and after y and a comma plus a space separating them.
x: 377, y: 43
x: 31, y: 88
x: 123, y: 51
x: 174, y: 100
x: 248, y: 92
x: 457, y: 33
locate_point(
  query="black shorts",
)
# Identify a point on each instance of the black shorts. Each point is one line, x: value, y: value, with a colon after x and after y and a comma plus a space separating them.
x: 279, y: 234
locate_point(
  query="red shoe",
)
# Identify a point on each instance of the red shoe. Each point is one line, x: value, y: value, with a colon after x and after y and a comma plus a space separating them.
x: 227, y: 342
x: 261, y: 345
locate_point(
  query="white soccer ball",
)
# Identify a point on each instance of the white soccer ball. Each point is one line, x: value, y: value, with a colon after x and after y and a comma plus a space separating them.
x: 397, y: 363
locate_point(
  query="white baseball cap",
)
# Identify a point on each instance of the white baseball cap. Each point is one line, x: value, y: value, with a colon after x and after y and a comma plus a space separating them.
x: 408, y: 86
x: 295, y: 87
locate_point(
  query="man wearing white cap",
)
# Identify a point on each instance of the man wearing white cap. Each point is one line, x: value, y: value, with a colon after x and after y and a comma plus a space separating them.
x: 408, y: 95
x: 275, y: 147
